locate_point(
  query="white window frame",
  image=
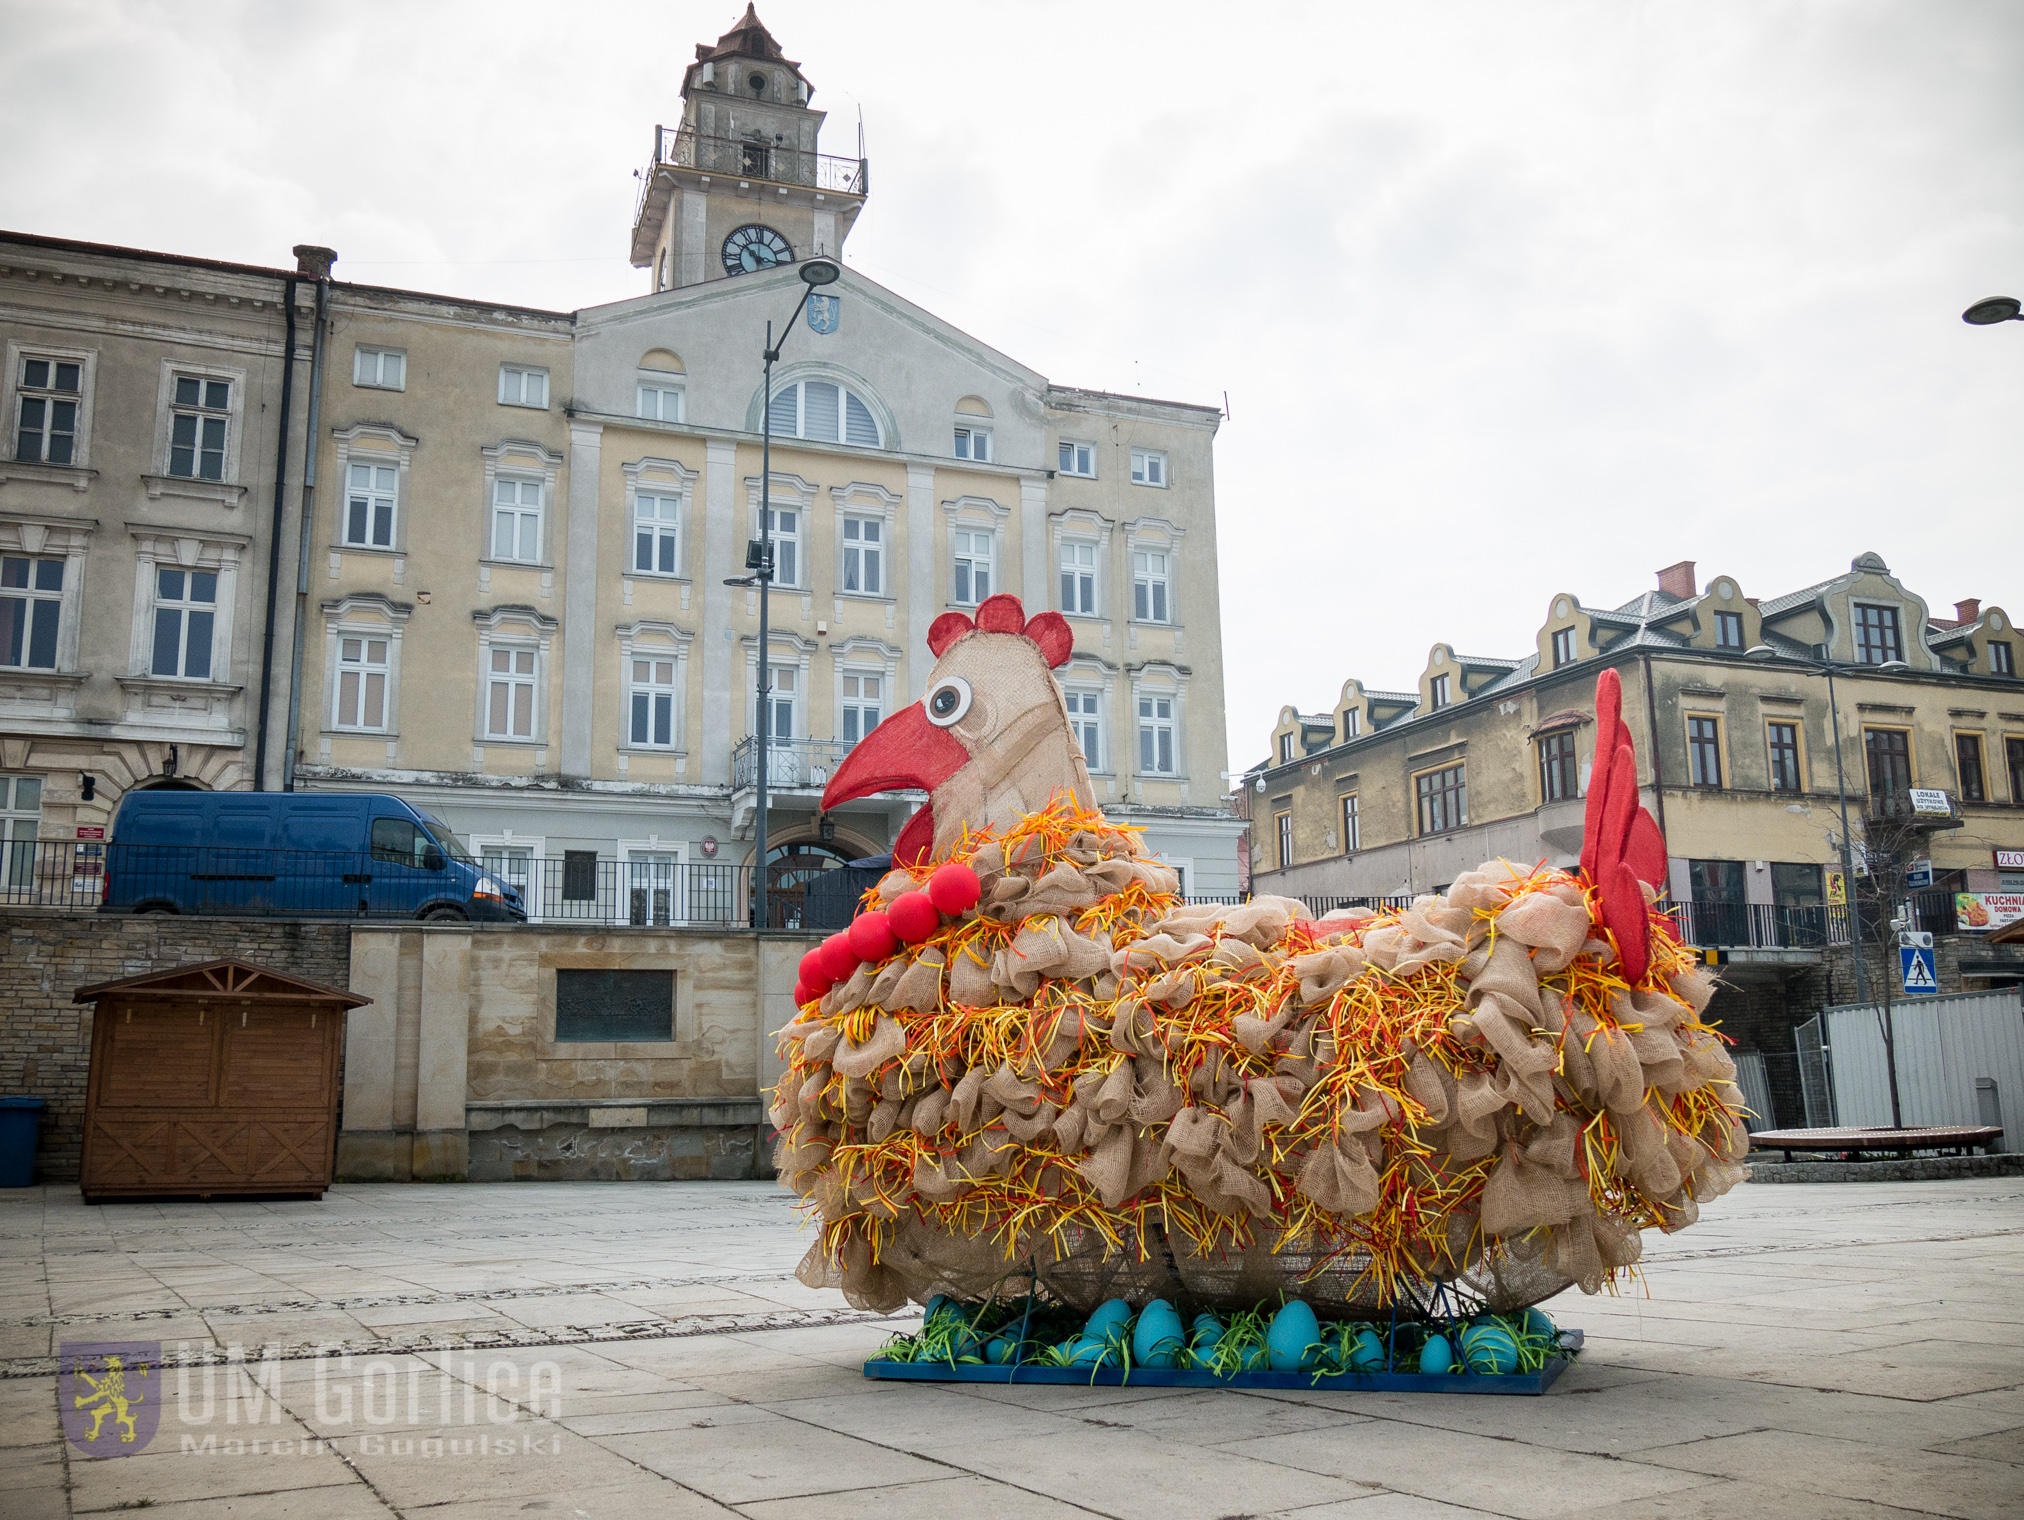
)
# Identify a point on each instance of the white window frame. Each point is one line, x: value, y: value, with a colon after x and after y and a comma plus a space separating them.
x: 786, y: 534
x: 1564, y: 647
x: 975, y: 515
x: 375, y: 493
x: 656, y: 692
x: 29, y: 537
x: 520, y: 509
x: 1352, y: 721
x: 363, y: 616
x: 216, y: 554
x: 185, y: 606
x: 1081, y: 584
x: 1155, y: 535
x: 847, y: 704
x: 655, y: 853
x: 370, y: 366
x: 37, y: 596
x: 17, y: 844
x: 1151, y: 724
x: 503, y: 659
x: 663, y: 528
x: 790, y: 493
x: 656, y: 641
x: 364, y: 670
x: 845, y: 393
x: 1085, y: 706
x: 972, y: 549
x: 513, y: 385
x: 536, y: 847
x: 659, y: 393
x: 518, y: 459
x: 20, y: 393
x: 1156, y: 605
x: 1081, y: 459
x: 1149, y: 468
x: 667, y: 480
x: 10, y: 396
x: 875, y: 552
x: 865, y: 502
x: 233, y: 415
x: 973, y: 442
x: 374, y: 444
x: 517, y: 629
x: 863, y: 655
x: 786, y: 651
x: 1349, y: 811
x: 1440, y: 691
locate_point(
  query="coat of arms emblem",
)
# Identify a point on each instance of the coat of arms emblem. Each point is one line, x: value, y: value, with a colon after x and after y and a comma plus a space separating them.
x: 824, y: 313
x: 111, y: 1394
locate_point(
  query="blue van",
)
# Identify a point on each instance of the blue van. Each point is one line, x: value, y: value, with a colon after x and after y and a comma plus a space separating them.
x: 347, y: 854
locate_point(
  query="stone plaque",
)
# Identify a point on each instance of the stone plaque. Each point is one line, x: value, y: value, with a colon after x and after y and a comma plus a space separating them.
x: 614, y: 1005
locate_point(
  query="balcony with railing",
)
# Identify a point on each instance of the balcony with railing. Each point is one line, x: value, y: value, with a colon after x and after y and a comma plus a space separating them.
x: 750, y: 159
x: 1912, y: 807
x: 791, y: 764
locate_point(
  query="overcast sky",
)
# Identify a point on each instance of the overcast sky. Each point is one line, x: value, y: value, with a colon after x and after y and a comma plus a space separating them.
x: 1507, y: 298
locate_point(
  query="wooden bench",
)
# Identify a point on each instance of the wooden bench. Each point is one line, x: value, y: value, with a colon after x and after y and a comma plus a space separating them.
x: 1854, y: 1143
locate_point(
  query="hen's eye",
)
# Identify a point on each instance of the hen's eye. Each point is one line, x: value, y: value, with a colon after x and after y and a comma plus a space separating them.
x: 948, y: 702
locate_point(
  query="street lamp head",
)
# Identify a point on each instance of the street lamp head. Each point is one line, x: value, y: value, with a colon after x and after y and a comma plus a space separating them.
x: 1893, y: 665
x: 1760, y: 652
x: 828, y: 272
x: 1987, y: 313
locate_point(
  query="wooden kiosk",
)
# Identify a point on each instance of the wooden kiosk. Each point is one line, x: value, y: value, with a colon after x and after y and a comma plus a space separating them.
x: 214, y: 1079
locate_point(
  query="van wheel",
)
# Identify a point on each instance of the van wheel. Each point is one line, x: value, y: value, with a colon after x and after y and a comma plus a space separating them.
x: 155, y: 907
x: 444, y: 915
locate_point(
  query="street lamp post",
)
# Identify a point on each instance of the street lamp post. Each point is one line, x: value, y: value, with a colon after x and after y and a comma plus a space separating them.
x: 759, y: 560
x: 1851, y: 906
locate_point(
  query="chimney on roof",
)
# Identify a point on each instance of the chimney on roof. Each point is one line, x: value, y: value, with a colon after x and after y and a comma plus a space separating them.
x: 312, y: 262
x: 1678, y: 580
x: 1969, y: 611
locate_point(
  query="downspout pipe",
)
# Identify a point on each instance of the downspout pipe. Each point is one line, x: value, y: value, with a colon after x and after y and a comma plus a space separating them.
x: 274, y: 539
x: 308, y: 514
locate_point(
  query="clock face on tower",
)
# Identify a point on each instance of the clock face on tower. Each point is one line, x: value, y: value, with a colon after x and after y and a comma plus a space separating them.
x: 754, y: 247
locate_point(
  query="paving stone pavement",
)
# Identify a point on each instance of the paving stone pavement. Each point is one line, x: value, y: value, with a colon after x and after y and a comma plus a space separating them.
x: 1824, y: 1352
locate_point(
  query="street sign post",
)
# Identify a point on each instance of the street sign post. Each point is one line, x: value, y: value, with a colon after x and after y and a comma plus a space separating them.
x: 1916, y: 963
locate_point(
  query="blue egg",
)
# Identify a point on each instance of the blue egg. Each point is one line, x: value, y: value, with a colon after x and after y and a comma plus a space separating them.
x: 1292, y: 1341
x: 1437, y: 1356
x: 1110, y: 1316
x: 1208, y: 1332
x: 1489, y: 1347
x: 1000, y: 1351
x: 1534, y: 1323
x: 1366, y: 1352
x: 936, y: 1305
x: 1158, y: 1338
x: 1089, y: 1353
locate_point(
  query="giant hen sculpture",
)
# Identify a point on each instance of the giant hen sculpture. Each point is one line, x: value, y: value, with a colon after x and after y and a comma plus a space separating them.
x: 1029, y: 1064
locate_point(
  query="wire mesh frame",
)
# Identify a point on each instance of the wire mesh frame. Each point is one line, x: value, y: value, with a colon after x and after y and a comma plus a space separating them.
x: 1815, y: 1085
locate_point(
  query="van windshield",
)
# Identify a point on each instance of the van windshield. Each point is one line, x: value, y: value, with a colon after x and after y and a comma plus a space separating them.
x: 446, y: 839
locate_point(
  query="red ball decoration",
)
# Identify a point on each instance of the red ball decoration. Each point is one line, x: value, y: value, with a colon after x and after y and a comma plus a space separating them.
x: 813, y: 974
x: 838, y: 959
x: 871, y: 936
x: 914, y: 917
x: 804, y: 994
x: 954, y: 888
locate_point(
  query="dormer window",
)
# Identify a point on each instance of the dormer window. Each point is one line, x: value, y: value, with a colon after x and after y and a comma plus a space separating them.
x: 1728, y: 630
x: 1286, y: 749
x: 973, y: 443
x: 1877, y: 636
x: 1437, y: 688
x: 1563, y: 647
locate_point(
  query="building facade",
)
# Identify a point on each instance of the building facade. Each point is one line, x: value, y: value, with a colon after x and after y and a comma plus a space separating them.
x: 1394, y: 793
x: 500, y: 538
x: 156, y: 411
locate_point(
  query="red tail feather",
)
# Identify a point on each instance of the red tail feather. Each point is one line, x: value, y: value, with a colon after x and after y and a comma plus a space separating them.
x: 1621, y: 845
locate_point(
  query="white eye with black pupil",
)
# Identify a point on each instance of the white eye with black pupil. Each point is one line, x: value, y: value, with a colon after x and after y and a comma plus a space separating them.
x: 947, y: 703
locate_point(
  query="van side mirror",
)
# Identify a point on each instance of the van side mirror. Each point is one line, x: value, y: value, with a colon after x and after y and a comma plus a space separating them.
x: 432, y: 859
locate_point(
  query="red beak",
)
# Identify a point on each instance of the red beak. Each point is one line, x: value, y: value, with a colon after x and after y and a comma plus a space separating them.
x: 904, y: 751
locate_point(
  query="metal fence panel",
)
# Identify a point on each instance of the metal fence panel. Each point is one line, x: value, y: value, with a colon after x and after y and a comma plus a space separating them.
x: 1755, y: 1081
x: 1815, y: 1088
x: 1946, y: 1048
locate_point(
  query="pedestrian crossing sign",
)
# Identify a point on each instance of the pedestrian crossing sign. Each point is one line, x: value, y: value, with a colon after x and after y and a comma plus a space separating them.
x: 1917, y: 963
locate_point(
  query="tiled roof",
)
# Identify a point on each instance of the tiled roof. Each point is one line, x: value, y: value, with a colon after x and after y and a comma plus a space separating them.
x: 1772, y: 606
x: 1392, y: 696
x: 1650, y: 604
x: 1485, y: 662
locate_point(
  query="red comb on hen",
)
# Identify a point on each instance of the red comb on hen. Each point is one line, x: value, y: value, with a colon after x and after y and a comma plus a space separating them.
x: 1004, y: 613
x: 1621, y: 845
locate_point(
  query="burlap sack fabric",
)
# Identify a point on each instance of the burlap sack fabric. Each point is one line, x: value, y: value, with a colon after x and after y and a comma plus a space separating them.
x: 1088, y: 1087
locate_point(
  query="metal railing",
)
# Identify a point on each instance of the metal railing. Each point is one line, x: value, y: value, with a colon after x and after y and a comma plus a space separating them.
x: 1898, y: 805
x: 789, y: 762
x: 745, y: 158
x: 1778, y: 926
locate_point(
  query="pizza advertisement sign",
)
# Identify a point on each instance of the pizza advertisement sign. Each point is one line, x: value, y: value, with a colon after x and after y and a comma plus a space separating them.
x: 1982, y: 912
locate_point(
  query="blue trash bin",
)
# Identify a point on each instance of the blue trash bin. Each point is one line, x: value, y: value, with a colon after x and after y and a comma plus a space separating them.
x: 20, y: 1125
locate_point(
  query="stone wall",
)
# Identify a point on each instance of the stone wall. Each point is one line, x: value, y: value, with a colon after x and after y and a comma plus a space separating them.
x: 45, y: 1038
x: 454, y: 1069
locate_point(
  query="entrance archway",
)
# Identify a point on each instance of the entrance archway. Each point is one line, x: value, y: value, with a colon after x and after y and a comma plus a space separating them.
x: 790, y: 868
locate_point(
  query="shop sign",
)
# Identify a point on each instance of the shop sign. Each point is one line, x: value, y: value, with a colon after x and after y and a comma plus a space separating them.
x: 1926, y: 801
x: 1980, y: 912
x: 2009, y: 860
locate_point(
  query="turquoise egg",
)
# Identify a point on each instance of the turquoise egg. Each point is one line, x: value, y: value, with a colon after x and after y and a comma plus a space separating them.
x: 1253, y: 1359
x: 1291, y: 1342
x: 936, y: 1305
x: 1489, y: 1347
x: 1000, y: 1351
x: 1535, y: 1324
x: 1208, y: 1332
x: 1089, y: 1353
x: 1158, y: 1338
x: 1110, y: 1316
x: 1437, y: 1356
x: 1366, y: 1352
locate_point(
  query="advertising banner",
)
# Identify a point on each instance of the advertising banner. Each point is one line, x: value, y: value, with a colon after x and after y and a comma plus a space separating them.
x: 1981, y: 912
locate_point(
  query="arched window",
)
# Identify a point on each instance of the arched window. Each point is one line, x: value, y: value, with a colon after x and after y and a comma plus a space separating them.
x: 825, y: 412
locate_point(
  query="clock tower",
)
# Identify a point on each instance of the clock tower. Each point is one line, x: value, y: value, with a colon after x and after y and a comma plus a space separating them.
x: 739, y: 185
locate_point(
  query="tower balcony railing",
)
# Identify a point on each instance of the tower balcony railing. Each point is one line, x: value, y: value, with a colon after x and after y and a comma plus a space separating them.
x: 744, y: 158
x: 791, y: 764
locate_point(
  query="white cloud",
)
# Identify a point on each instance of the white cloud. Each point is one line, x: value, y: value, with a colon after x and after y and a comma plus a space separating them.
x: 1507, y: 299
